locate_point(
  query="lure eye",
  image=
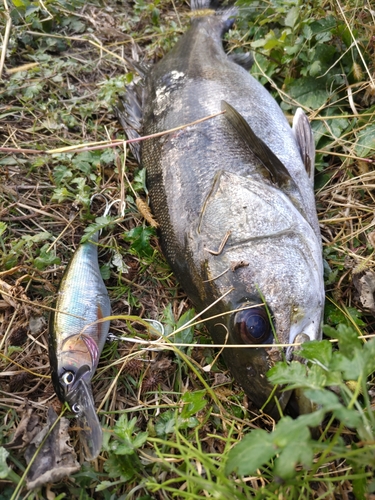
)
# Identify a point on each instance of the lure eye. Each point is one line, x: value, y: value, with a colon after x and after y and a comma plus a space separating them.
x: 76, y: 408
x: 68, y: 378
x: 253, y: 325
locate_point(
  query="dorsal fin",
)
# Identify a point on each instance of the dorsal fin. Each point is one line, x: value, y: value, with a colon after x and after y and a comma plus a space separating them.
x: 278, y: 172
x: 305, y: 140
x: 129, y: 113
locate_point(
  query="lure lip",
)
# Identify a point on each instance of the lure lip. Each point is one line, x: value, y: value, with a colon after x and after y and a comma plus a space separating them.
x: 81, y: 401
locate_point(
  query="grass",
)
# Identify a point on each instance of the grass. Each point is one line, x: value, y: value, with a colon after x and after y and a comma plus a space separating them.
x: 172, y: 428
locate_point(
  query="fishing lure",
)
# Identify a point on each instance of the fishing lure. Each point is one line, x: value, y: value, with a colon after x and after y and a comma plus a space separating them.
x: 77, y: 333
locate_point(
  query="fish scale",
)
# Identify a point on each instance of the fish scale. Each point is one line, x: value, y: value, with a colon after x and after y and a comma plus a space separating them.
x: 235, y: 188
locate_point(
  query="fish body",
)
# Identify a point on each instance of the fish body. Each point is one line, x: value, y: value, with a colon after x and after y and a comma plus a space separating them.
x: 76, y: 339
x: 234, y: 200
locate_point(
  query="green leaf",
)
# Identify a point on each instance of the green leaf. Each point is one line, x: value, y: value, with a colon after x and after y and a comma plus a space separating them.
x: 193, y: 403
x: 32, y: 91
x: 120, y: 466
x: 296, y: 375
x: 127, y: 438
x: 165, y: 424
x: 292, y: 17
x: 322, y: 28
x: 105, y: 271
x: 100, y: 223
x: 47, y: 257
x: 103, y: 485
x: 168, y: 320
x: 3, y: 228
x: 255, y: 450
x: 323, y: 397
x: 349, y: 417
x: 360, y: 483
x: 317, y: 351
x: 107, y: 156
x: 61, y: 194
x: 139, y: 439
x: 291, y: 440
x: 307, y: 92
x: 369, y: 355
x: 140, y: 240
x: 186, y: 335
x: 285, y: 373
x: 365, y: 146
x: 297, y: 452
x: 30, y: 9
x: 330, y: 402
x: 293, y: 443
x: 139, y: 181
x: 352, y: 368
x: 21, y: 3
x: 333, y: 315
x: 347, y: 336
x: 125, y: 428
x: 61, y: 172
x: 4, y: 469
x: 185, y: 423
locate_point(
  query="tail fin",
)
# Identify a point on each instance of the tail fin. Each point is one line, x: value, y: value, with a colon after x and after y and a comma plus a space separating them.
x: 202, y: 8
x: 200, y: 4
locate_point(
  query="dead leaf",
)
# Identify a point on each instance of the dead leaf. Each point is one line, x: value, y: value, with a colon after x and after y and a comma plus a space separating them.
x: 27, y: 429
x: 10, y: 294
x: 56, y: 459
x: 365, y: 286
x: 221, y: 379
x: 37, y: 324
x: 371, y: 238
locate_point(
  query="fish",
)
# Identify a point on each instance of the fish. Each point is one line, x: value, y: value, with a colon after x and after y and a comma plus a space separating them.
x: 77, y: 333
x: 234, y: 200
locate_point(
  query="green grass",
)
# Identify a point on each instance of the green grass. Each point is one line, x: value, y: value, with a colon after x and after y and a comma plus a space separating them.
x: 171, y: 428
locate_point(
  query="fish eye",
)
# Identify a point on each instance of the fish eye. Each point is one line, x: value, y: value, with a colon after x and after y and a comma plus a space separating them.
x: 68, y: 378
x: 253, y: 325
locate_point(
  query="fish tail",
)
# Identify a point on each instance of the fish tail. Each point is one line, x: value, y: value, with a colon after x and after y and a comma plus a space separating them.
x: 202, y: 8
x: 201, y: 5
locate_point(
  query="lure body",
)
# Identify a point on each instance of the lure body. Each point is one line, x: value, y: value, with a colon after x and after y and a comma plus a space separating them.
x: 77, y: 337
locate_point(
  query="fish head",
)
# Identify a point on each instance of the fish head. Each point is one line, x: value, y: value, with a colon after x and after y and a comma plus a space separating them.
x: 253, y: 324
x: 76, y: 364
x: 272, y: 264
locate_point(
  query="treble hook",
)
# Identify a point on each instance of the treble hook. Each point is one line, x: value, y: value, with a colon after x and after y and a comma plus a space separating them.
x: 108, y: 205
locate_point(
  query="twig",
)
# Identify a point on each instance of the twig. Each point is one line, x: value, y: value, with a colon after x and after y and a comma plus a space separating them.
x: 222, y: 244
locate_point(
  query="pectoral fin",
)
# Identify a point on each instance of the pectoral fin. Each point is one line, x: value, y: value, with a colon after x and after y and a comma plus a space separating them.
x: 305, y: 140
x: 278, y: 172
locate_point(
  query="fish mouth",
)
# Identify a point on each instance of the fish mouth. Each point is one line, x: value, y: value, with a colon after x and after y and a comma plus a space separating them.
x: 81, y: 402
x: 294, y: 402
x: 249, y: 366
